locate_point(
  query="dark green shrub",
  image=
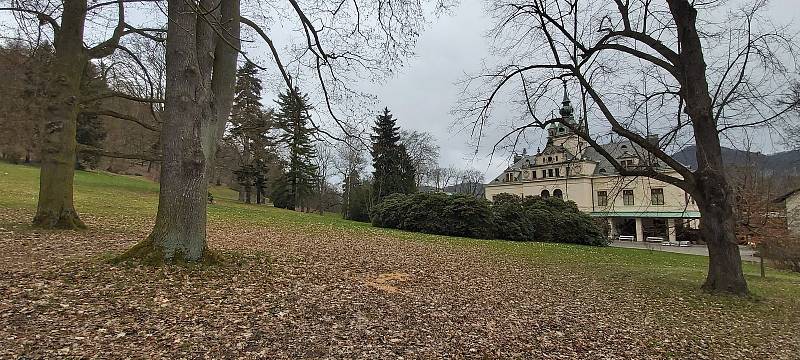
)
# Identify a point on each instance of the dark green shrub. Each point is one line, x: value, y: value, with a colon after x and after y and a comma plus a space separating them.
x: 512, y: 221
x: 510, y: 217
x: 577, y: 228
x: 390, y: 213
x: 435, y: 213
x: 468, y: 216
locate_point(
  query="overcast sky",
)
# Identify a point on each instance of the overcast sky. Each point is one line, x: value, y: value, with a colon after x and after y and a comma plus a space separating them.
x: 422, y: 94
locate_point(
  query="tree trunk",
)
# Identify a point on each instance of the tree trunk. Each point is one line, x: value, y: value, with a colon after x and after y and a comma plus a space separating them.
x: 713, y: 193
x: 180, y: 229
x: 223, y: 81
x: 55, y: 208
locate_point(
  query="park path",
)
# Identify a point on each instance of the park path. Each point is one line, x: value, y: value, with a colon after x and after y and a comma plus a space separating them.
x: 746, y: 252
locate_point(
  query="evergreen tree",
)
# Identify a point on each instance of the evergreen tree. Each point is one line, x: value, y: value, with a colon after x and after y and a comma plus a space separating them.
x: 394, y: 172
x: 293, y: 117
x: 250, y: 132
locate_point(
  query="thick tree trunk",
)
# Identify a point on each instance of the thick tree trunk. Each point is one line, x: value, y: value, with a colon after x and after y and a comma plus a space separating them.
x: 223, y: 82
x: 713, y: 193
x: 55, y: 208
x: 180, y: 229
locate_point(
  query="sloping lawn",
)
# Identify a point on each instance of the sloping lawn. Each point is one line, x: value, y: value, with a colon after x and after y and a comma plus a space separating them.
x: 299, y: 285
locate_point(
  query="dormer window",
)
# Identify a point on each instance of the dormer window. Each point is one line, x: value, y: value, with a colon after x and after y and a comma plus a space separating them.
x: 624, y: 147
x: 549, y: 159
x: 602, y: 171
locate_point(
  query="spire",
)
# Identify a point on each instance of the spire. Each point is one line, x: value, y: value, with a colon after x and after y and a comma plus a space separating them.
x: 566, y: 106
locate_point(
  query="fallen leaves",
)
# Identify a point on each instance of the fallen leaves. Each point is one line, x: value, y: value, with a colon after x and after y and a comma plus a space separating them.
x: 322, y: 292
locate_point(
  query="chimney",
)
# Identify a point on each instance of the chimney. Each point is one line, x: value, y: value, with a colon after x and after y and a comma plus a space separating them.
x: 653, y: 139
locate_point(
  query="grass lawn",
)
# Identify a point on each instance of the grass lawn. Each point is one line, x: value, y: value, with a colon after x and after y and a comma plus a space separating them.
x: 308, y: 286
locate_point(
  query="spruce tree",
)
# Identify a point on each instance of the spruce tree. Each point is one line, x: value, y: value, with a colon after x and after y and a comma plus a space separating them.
x: 293, y: 117
x: 393, y: 172
x: 250, y: 130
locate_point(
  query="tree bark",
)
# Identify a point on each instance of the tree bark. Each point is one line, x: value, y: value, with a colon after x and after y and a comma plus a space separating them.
x: 713, y: 193
x: 55, y: 207
x: 180, y: 229
x: 223, y: 82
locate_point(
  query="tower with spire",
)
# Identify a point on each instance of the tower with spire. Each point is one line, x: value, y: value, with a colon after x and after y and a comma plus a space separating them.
x: 567, y: 112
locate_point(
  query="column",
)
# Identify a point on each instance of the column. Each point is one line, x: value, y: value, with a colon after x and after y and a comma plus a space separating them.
x: 639, y: 230
x: 612, y: 230
x: 671, y: 231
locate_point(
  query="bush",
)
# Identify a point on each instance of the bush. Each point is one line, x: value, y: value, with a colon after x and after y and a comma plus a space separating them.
x: 782, y: 250
x: 509, y: 217
x: 434, y: 213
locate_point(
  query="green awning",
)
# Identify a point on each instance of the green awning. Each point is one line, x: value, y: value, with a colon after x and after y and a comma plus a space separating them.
x: 648, y: 214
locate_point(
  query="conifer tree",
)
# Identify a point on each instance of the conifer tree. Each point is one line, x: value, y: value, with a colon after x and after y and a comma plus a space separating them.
x: 293, y: 117
x: 393, y: 172
x: 250, y: 130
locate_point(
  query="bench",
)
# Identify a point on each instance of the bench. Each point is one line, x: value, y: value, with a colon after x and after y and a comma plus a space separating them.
x: 626, y: 238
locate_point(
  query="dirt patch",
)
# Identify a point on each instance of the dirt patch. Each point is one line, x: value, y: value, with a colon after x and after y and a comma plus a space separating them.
x: 389, y: 282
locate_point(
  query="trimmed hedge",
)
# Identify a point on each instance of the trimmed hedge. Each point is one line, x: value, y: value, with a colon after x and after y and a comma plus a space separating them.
x: 510, y: 217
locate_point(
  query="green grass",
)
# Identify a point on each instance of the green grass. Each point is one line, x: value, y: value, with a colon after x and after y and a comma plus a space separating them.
x: 115, y: 196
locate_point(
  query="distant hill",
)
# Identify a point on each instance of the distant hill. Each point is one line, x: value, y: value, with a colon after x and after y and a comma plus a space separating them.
x: 782, y: 163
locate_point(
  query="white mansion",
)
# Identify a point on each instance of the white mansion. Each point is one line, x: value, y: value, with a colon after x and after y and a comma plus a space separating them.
x: 568, y: 168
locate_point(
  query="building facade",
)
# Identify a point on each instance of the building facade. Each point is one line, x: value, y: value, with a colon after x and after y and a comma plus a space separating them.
x: 791, y: 201
x: 567, y: 168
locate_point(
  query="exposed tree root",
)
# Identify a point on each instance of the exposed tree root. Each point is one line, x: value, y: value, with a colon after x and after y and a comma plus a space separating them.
x: 147, y: 252
x: 65, y: 220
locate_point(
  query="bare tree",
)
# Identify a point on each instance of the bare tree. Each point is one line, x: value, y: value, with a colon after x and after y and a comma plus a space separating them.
x: 423, y: 151
x: 699, y: 84
x: 68, y: 68
x: 471, y: 182
x: 350, y: 163
x: 201, y: 57
x: 324, y: 164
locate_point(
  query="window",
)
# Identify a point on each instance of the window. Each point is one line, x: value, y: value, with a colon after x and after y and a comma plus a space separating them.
x: 545, y: 194
x: 627, y: 197
x: 533, y: 173
x: 557, y: 172
x: 602, y: 198
x: 557, y: 193
x: 544, y: 173
x: 549, y: 159
x: 602, y: 171
x: 549, y: 172
x: 657, y: 196
x: 627, y: 163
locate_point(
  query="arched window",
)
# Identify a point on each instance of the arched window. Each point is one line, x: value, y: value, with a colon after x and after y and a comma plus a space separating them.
x: 557, y: 193
x: 602, y: 171
x: 549, y: 159
x: 545, y: 194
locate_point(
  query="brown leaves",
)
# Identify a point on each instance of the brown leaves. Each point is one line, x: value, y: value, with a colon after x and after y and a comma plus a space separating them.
x: 324, y: 291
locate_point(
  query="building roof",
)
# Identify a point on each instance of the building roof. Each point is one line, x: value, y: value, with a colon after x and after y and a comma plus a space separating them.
x: 619, y: 150
x: 783, y: 197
